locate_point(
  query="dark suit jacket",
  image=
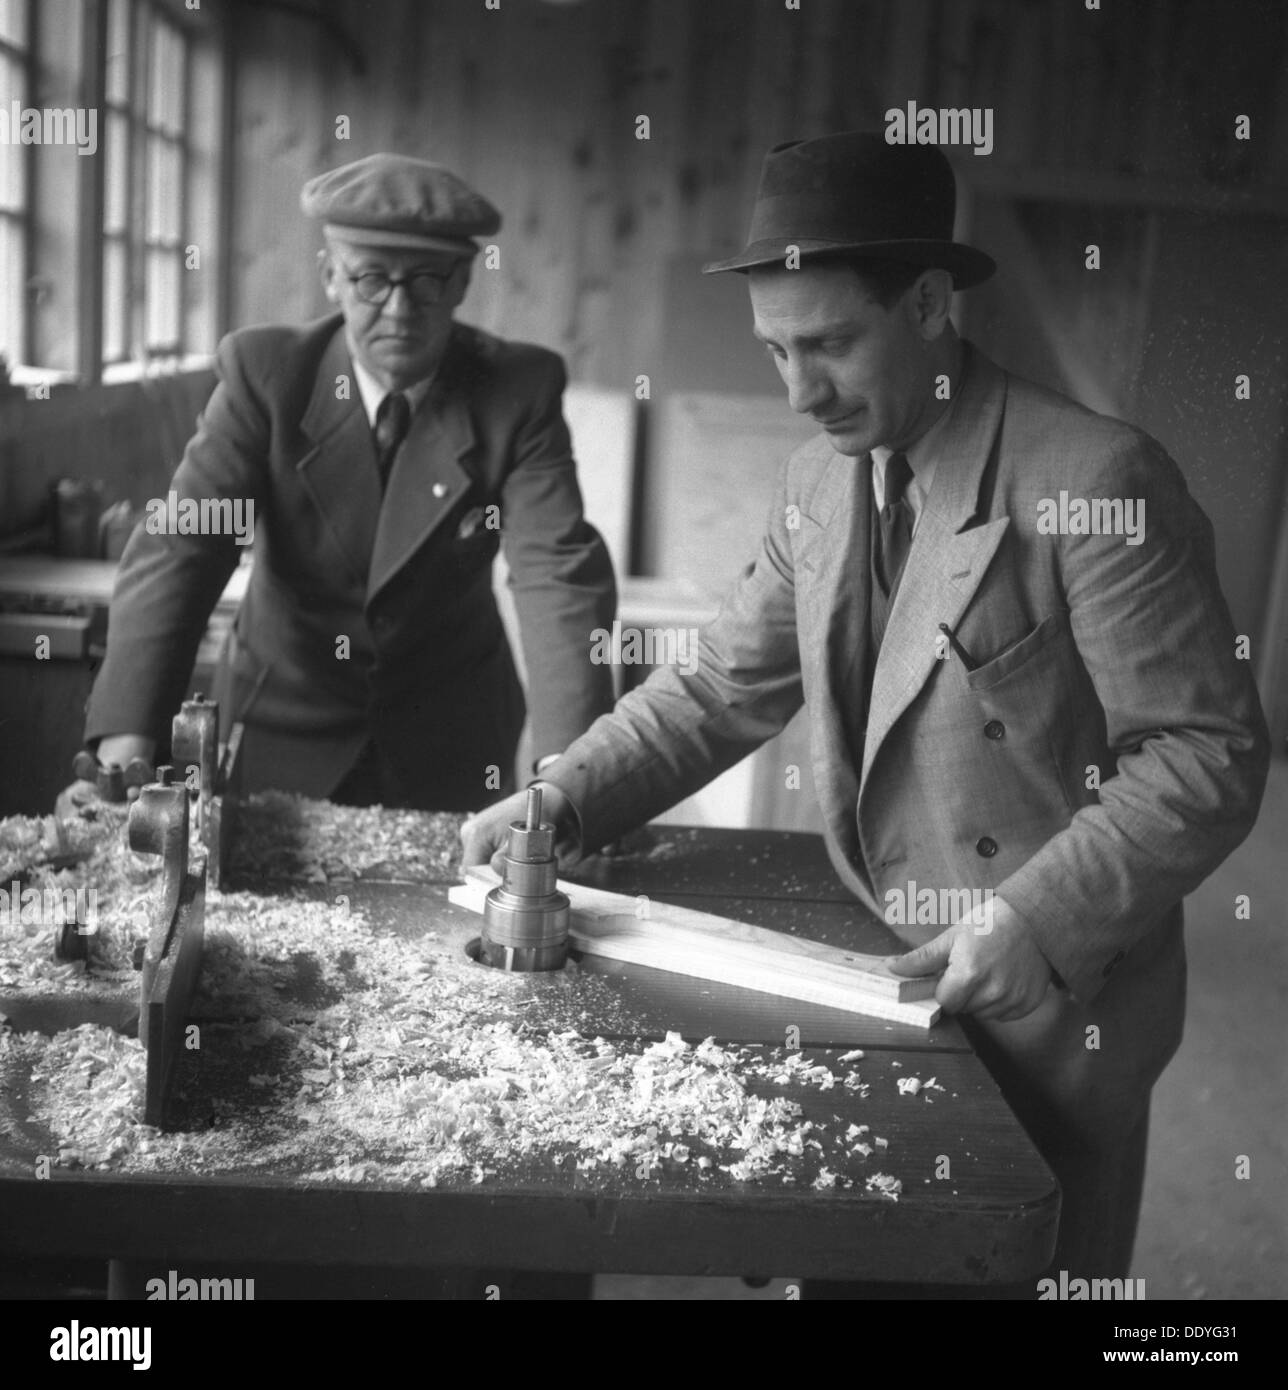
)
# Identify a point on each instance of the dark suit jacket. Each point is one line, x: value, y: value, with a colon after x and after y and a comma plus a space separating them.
x: 1092, y: 654
x: 369, y: 620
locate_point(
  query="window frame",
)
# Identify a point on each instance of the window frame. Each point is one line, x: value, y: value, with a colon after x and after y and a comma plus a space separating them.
x: 162, y: 311
x: 140, y: 244
x: 21, y: 216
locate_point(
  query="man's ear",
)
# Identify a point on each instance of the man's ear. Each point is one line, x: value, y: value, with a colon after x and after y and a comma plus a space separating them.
x: 327, y: 273
x: 929, y: 302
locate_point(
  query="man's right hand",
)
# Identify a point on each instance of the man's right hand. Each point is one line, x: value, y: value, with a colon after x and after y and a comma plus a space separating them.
x: 484, y: 835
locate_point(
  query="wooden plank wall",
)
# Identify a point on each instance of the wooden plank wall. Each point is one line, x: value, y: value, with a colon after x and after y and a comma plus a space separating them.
x: 1114, y: 126
x: 537, y: 102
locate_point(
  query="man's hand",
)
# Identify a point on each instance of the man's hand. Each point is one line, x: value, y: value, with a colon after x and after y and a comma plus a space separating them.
x: 115, y: 748
x: 483, y: 836
x: 992, y: 969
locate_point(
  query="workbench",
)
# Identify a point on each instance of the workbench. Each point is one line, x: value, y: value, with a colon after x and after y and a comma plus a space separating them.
x: 992, y: 1220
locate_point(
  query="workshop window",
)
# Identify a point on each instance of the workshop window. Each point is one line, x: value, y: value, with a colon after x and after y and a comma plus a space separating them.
x: 15, y: 21
x: 146, y: 181
x: 96, y: 277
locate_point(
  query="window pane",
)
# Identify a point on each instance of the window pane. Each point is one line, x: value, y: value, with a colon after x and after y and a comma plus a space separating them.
x: 118, y: 52
x: 13, y: 21
x: 13, y: 168
x: 116, y: 189
x: 165, y: 81
x: 114, y: 323
x: 163, y: 299
x: 13, y: 162
x: 12, y: 276
x: 164, y: 190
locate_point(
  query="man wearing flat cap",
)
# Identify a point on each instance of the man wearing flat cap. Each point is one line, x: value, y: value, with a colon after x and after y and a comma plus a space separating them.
x: 388, y: 451
x: 1053, y: 714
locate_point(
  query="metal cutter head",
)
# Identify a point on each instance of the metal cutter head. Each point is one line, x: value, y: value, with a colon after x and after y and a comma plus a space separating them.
x: 525, y: 920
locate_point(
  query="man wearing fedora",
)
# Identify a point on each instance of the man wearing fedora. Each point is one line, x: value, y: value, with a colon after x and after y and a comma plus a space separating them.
x: 1055, y: 714
x: 388, y: 450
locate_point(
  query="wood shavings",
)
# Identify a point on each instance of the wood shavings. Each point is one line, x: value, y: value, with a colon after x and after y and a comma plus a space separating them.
x: 337, y: 1052
x: 914, y: 1085
x: 885, y: 1185
x: 280, y: 836
x: 98, y: 1077
x: 120, y: 881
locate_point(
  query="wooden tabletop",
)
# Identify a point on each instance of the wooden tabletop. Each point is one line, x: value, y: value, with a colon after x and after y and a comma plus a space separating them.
x: 978, y: 1205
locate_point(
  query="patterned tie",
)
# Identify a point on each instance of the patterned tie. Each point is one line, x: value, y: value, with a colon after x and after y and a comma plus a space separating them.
x: 392, y: 422
x: 896, y: 524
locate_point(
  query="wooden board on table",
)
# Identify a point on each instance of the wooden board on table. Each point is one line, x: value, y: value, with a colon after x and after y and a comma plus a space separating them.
x: 699, y: 944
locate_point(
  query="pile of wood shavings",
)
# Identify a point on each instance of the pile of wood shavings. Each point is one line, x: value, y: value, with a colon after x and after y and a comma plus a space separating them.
x: 99, y: 1077
x: 120, y: 879
x: 336, y: 1052
x: 283, y: 836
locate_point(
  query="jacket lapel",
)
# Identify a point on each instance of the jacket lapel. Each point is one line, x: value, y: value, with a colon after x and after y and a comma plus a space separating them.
x: 338, y: 471
x: 832, y: 602
x: 833, y: 575
x: 428, y: 478
x: 947, y: 561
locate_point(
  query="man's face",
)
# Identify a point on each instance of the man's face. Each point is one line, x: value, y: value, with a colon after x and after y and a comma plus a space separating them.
x: 400, y: 341
x: 864, y: 373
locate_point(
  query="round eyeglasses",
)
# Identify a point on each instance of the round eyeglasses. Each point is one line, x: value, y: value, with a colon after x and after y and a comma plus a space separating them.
x: 423, y: 287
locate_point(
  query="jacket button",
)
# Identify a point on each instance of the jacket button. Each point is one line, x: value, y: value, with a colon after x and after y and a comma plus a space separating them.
x: 994, y: 729
x: 1109, y: 968
x: 986, y: 846
x: 439, y: 489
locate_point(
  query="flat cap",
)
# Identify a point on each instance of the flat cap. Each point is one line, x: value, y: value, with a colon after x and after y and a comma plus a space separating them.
x: 394, y: 200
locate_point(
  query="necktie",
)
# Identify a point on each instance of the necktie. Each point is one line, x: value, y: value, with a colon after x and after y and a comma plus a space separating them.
x: 392, y: 422
x: 896, y: 524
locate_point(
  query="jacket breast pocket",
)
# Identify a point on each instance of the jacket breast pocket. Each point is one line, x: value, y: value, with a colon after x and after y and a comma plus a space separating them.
x: 1041, y: 647
x: 1036, y: 710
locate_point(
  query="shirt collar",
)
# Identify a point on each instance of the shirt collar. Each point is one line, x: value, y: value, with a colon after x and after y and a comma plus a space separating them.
x: 922, y: 456
x: 372, y: 393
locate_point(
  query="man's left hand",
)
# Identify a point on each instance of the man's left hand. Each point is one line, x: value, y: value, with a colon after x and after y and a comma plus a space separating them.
x: 992, y: 969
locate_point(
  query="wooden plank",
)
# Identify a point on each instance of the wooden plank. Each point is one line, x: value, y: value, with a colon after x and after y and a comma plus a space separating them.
x: 618, y: 912
x: 699, y: 944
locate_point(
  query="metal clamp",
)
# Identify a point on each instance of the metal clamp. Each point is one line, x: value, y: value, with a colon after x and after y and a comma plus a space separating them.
x: 194, y: 743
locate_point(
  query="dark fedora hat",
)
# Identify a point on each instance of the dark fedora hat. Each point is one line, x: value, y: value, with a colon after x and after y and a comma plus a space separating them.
x: 854, y: 194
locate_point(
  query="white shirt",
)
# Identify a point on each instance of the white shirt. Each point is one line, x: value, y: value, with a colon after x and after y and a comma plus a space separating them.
x: 372, y: 393
x: 922, y: 460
